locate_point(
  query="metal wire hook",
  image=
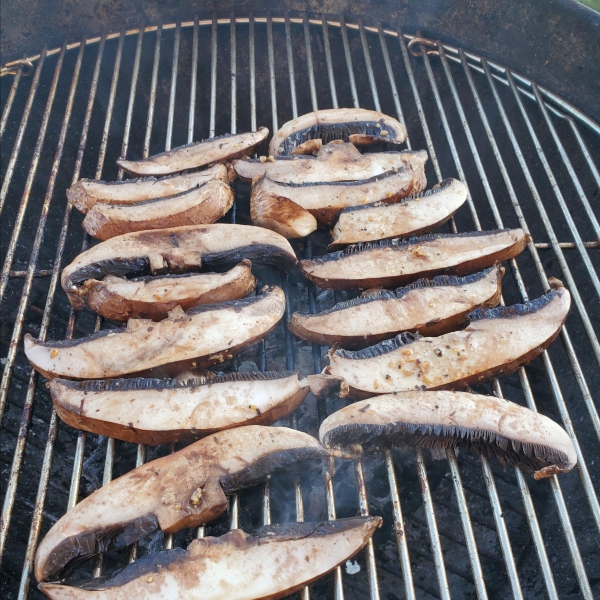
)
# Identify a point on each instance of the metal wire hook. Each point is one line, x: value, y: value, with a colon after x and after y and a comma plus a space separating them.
x: 11, y: 68
x: 424, y: 42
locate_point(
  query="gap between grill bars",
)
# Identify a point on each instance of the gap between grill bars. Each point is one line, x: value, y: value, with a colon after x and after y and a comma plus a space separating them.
x: 528, y: 158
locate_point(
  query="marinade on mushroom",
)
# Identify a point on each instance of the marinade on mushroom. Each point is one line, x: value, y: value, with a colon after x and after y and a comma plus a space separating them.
x: 416, y: 214
x: 497, y: 341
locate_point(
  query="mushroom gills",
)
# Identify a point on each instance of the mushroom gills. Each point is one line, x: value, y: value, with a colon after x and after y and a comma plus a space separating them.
x: 486, y: 425
x: 237, y: 566
x: 306, y: 134
x: 187, y: 249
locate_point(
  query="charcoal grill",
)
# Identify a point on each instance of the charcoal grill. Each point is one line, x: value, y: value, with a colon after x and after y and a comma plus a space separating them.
x: 454, y: 525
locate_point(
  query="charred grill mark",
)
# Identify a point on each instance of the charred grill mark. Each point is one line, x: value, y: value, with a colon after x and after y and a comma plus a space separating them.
x: 77, y: 548
x: 141, y: 383
x: 337, y: 131
x: 530, y: 457
x: 257, y: 471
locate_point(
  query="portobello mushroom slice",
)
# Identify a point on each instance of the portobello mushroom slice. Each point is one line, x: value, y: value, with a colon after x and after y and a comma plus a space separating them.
x: 490, y: 426
x: 122, y: 299
x: 86, y: 192
x: 334, y: 162
x: 306, y: 134
x: 198, y: 154
x: 324, y: 200
x: 204, y: 336
x: 175, y: 250
x: 201, y: 205
x: 184, y: 489
x: 419, y: 213
x: 497, y: 341
x: 271, y: 562
x: 428, y: 306
x: 281, y: 215
x: 162, y: 411
x: 399, y: 261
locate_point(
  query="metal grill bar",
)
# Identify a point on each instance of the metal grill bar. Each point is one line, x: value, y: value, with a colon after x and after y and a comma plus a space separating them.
x: 10, y: 99
x: 587, y: 485
x: 35, y: 161
x: 12, y: 161
x: 9, y: 497
x: 52, y: 430
x: 550, y: 106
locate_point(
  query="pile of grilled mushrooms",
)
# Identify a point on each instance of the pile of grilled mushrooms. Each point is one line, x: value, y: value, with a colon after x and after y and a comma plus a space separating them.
x: 184, y: 286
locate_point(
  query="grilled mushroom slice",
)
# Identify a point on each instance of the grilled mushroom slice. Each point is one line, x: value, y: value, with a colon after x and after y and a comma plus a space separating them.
x: 428, y: 306
x: 184, y: 489
x: 271, y: 562
x: 324, y: 200
x: 161, y: 411
x: 419, y: 213
x: 307, y: 133
x: 198, y: 154
x: 122, y: 299
x: 204, y: 336
x: 281, y: 215
x: 334, y: 162
x: 175, y: 250
x: 497, y: 341
x: 199, y: 206
x: 399, y: 261
x: 487, y: 425
x: 86, y: 192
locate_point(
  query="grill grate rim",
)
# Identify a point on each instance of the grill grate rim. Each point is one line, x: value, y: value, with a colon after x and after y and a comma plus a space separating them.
x: 492, y: 73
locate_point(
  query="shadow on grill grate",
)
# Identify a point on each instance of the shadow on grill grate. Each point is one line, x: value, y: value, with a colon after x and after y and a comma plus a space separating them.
x: 453, y: 525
